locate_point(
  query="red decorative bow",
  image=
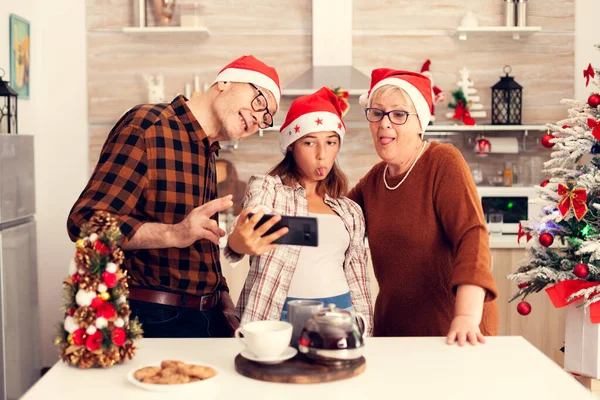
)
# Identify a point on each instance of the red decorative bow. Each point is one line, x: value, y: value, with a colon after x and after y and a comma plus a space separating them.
x: 595, y: 127
x: 575, y: 198
x: 342, y: 96
x: 588, y: 73
x: 521, y: 233
x: 461, y: 113
x: 559, y: 295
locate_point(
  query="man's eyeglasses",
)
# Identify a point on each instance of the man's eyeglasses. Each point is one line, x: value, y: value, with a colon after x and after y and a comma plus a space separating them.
x: 259, y: 103
x: 398, y: 117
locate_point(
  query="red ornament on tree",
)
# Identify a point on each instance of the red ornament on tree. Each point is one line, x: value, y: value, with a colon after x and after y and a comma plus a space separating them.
x: 106, y: 311
x: 483, y: 147
x: 546, y: 239
x: 110, y: 280
x: 546, y: 141
x: 118, y: 336
x: 97, y: 302
x: 72, y: 311
x: 581, y: 271
x: 79, y: 337
x: 543, y: 184
x: 101, y: 248
x: 594, y: 100
x: 524, y: 308
x: 75, y: 277
x: 93, y: 342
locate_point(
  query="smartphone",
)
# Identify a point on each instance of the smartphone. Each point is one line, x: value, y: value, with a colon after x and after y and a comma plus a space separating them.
x: 303, y: 231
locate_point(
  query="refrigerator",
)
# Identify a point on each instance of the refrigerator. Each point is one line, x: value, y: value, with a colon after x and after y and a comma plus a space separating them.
x: 20, y: 357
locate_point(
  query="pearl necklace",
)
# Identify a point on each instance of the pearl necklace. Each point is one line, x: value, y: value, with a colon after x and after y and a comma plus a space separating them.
x: 407, y: 173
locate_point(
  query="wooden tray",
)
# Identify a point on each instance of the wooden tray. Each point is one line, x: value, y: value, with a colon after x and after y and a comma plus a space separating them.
x: 299, y: 369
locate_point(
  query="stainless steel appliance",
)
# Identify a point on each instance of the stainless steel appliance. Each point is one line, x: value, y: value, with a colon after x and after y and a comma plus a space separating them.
x: 19, y: 315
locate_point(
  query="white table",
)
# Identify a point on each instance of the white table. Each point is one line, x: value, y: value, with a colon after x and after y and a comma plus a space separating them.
x: 507, y: 368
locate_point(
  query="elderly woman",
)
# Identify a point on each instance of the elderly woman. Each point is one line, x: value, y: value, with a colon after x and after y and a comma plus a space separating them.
x: 425, y: 224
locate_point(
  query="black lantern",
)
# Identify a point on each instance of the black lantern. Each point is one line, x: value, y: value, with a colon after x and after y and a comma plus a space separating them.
x: 507, y: 100
x: 8, y: 107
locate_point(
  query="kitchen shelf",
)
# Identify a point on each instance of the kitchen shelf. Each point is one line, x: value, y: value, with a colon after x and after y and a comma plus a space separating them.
x: 168, y: 30
x: 515, y: 31
x: 484, y: 128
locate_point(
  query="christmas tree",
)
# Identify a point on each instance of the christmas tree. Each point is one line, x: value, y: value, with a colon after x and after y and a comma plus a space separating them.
x: 570, y: 213
x: 467, y: 104
x: 96, y: 330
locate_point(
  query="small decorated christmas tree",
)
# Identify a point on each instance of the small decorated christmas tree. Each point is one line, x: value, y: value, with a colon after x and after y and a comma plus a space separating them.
x: 467, y: 104
x: 570, y: 213
x: 96, y: 330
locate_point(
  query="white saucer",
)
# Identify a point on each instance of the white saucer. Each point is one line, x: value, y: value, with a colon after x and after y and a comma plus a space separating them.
x: 286, y: 355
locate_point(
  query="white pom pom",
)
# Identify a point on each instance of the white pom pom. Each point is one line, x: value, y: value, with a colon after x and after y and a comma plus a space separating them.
x: 91, y: 330
x: 84, y: 298
x: 363, y: 100
x: 111, y: 267
x: 119, y: 323
x: 72, y: 267
x: 102, y: 288
x: 81, y: 271
x: 70, y: 324
x: 101, y: 322
x: 93, y: 237
x: 121, y: 300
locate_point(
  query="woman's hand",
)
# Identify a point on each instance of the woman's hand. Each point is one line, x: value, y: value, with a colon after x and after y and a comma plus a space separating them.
x: 465, y: 328
x: 246, y: 240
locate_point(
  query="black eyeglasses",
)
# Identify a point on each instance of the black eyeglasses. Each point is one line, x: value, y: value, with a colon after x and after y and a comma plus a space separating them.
x: 398, y: 117
x: 259, y: 103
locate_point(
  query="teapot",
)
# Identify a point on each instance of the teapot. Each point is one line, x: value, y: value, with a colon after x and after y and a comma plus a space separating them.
x: 333, y: 336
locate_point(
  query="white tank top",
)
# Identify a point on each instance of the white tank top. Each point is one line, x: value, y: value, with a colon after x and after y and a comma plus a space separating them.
x: 320, y: 270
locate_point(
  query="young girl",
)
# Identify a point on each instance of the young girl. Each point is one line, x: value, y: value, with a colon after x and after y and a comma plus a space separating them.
x: 308, y: 182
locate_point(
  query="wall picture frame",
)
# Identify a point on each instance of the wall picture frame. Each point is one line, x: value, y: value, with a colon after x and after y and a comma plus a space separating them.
x: 20, y: 52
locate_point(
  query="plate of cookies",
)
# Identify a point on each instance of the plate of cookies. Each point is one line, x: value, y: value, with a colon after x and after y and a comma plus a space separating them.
x: 171, y: 375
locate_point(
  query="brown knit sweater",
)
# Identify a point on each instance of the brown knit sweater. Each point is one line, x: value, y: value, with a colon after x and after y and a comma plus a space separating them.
x: 426, y: 237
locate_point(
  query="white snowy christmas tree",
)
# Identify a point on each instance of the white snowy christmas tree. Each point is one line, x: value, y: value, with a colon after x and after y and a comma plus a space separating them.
x: 570, y: 213
x: 473, y: 105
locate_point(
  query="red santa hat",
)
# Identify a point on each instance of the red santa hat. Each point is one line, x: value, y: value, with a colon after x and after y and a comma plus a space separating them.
x: 417, y: 86
x: 317, y: 112
x: 249, y: 69
x: 425, y: 67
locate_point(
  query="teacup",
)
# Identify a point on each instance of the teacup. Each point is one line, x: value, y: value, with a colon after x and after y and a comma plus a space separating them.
x: 265, y: 338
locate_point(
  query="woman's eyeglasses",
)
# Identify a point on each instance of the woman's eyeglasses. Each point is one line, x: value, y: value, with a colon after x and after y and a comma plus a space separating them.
x: 397, y: 117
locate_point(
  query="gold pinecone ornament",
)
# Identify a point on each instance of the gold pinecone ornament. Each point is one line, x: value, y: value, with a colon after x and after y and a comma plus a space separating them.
x: 97, y: 330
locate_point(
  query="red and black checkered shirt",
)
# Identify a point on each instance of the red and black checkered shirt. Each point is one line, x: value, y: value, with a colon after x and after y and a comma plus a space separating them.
x: 156, y: 165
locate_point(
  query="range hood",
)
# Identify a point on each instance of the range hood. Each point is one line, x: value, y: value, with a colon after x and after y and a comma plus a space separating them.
x: 331, y: 52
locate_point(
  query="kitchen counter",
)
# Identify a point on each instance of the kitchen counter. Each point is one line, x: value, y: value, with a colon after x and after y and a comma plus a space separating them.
x: 506, y: 367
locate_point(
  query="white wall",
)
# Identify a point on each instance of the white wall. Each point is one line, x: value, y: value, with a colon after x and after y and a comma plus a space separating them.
x: 56, y: 115
x: 586, y: 36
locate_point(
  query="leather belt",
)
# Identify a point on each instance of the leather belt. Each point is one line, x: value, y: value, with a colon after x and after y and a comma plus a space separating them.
x: 202, y: 303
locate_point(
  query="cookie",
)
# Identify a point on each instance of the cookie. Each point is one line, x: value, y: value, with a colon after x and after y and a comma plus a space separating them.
x: 146, y: 372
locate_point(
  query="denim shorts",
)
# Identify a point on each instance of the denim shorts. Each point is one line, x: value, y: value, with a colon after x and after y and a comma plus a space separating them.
x: 343, y: 301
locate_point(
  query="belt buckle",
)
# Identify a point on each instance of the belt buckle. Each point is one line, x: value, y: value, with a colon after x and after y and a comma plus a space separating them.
x: 208, y: 301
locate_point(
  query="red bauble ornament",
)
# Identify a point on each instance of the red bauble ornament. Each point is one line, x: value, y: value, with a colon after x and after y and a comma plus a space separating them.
x: 107, y: 311
x: 101, y: 248
x: 546, y: 239
x: 524, y: 308
x: 75, y: 277
x: 594, y: 100
x: 79, y: 337
x: 93, y: 342
x: 118, y: 336
x: 97, y: 302
x: 483, y: 147
x: 546, y: 141
x: 110, y: 280
x: 544, y: 183
x: 581, y: 271
x: 523, y: 285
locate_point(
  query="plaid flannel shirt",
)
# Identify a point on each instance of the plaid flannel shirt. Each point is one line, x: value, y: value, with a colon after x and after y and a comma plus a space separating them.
x: 156, y: 165
x: 270, y: 275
